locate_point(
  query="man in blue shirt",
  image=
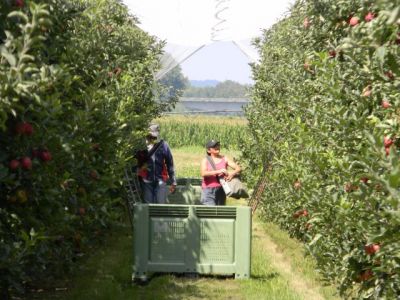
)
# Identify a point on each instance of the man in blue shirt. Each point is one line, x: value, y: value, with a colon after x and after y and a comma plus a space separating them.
x: 157, y: 169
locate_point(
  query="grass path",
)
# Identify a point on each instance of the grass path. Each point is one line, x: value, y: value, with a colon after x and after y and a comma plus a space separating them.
x: 278, y: 260
x: 275, y: 275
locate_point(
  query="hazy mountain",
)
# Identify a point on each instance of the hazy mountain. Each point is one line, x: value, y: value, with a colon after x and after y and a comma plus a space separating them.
x: 225, y: 89
x: 204, y: 83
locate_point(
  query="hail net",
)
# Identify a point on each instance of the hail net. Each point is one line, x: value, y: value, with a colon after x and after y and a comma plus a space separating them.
x: 187, y: 26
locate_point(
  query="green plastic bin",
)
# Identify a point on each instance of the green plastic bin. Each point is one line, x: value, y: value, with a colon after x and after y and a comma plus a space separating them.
x: 191, y: 239
x: 188, y: 191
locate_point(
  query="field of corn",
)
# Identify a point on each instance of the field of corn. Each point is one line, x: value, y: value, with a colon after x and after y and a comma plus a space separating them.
x: 181, y: 131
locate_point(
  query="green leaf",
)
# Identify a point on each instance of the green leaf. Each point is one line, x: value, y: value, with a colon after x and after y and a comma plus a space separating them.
x: 26, y: 58
x: 380, y: 54
x: 24, y: 236
x: 7, y: 55
x: 394, y: 15
x: 392, y: 62
x: 394, y: 178
x: 3, y: 171
x: 18, y: 14
x: 32, y: 233
x: 315, y: 239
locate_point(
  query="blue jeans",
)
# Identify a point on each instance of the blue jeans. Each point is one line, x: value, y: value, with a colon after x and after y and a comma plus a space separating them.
x: 213, y: 196
x: 155, y: 192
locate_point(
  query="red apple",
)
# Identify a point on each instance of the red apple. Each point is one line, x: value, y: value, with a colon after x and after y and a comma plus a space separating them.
x: 45, y: 156
x: 369, y: 17
x: 364, y: 180
x: 354, y: 21
x: 299, y: 213
x: 387, y: 151
x: 14, y: 164
x: 19, y: 3
x: 27, y: 127
x: 372, y: 248
x: 385, y: 104
x: 26, y: 163
x: 332, y: 53
x: 24, y: 128
x: 387, y: 142
x: 364, y: 276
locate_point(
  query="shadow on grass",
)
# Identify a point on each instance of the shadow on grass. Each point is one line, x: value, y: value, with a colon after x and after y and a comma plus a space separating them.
x: 191, y: 285
x: 265, y: 277
x: 176, y: 286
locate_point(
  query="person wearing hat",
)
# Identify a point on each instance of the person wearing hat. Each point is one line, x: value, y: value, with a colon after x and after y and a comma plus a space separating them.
x: 157, y: 168
x: 212, y: 191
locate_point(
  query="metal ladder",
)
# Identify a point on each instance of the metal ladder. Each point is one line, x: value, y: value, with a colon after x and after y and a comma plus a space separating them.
x: 260, y: 186
x: 132, y: 190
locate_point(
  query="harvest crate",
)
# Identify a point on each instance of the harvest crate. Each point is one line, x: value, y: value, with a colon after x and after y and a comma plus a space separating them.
x: 188, y: 191
x: 192, y: 239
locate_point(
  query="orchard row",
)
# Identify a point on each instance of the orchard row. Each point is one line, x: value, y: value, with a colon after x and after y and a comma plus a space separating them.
x: 77, y: 91
x: 327, y: 93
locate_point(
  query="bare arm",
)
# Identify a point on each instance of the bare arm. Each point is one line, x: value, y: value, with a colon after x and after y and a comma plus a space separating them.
x: 236, y: 168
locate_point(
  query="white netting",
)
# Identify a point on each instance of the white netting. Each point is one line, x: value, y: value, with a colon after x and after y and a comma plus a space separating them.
x: 175, y: 55
x: 189, y: 25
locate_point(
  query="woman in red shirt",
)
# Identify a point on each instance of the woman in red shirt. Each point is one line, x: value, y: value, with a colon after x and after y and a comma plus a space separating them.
x: 212, y: 191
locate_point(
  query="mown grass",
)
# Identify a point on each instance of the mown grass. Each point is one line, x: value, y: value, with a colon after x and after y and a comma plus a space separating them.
x: 106, y: 275
x: 300, y: 261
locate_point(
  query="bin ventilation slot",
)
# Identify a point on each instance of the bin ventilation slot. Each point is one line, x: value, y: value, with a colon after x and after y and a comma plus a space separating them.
x: 169, y: 211
x: 216, y: 212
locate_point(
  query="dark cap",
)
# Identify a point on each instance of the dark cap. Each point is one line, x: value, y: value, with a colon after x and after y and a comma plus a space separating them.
x: 212, y: 144
x: 154, y: 130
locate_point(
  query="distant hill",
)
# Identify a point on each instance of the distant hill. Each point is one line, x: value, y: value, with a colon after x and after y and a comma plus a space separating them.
x: 204, y: 83
x: 225, y: 89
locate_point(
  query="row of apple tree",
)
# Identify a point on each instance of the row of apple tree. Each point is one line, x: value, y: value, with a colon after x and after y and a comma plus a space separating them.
x: 76, y: 92
x: 325, y: 118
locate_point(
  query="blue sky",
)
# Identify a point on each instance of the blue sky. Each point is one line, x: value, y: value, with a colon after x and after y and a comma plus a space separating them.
x: 220, y: 61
